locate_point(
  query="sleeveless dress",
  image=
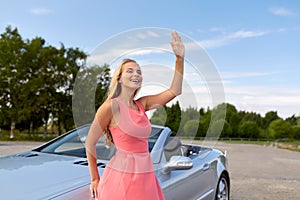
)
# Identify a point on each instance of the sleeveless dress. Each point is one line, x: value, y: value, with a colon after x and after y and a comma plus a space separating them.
x: 129, y: 175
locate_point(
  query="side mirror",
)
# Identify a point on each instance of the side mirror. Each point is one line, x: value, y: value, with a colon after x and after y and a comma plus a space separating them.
x: 178, y: 163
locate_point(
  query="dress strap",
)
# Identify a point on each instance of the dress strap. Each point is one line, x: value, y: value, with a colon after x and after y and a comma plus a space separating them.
x: 139, y: 105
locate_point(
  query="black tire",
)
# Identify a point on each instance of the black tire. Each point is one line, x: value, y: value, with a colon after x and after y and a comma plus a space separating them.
x: 223, y: 189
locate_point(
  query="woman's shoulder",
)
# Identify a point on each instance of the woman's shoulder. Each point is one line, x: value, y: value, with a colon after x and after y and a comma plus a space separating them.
x: 110, y: 105
x: 107, y: 106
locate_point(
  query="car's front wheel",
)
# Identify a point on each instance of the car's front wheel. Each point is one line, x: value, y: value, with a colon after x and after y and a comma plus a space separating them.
x: 223, y: 188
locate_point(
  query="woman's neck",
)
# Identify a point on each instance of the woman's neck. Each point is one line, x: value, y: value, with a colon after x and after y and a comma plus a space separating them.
x: 127, y: 97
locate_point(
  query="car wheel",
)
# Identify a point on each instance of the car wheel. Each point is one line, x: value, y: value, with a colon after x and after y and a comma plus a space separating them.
x: 222, y: 189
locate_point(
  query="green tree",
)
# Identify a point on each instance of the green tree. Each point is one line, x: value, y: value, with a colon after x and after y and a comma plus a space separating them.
x: 68, y: 62
x: 11, y: 75
x: 191, y: 127
x: 44, y: 73
x: 269, y: 117
x: 157, y: 121
x: 226, y: 130
x: 90, y: 92
x: 292, y: 120
x: 173, y: 117
x: 190, y: 114
x: 204, y: 123
x: 233, y: 118
x: 248, y: 129
x: 251, y: 116
x: 280, y: 129
x: 159, y: 116
x: 296, y: 132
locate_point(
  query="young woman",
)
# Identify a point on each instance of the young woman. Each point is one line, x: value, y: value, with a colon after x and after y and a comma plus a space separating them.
x: 129, y: 174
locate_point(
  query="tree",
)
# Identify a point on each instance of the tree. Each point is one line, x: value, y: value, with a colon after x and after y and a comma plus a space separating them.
x: 251, y: 116
x: 226, y: 112
x: 248, y: 129
x: 159, y: 116
x: 204, y: 124
x: 90, y: 92
x: 296, y: 132
x: 292, y: 120
x: 173, y: 117
x: 157, y: 121
x: 12, y: 75
x: 68, y: 62
x: 190, y: 114
x: 269, y: 117
x: 226, y: 130
x: 103, y: 81
x: 280, y: 129
x: 233, y: 118
x: 191, y: 127
x: 44, y: 73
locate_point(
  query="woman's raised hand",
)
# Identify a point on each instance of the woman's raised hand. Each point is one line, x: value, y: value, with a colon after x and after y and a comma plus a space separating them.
x: 177, y: 45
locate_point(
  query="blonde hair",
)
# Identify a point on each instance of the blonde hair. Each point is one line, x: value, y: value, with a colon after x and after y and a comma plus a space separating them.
x: 114, y: 91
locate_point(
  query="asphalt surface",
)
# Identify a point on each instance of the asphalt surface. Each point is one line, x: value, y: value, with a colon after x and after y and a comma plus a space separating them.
x: 256, y: 172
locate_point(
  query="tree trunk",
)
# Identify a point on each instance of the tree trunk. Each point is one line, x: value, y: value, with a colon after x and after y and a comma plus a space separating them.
x: 59, y: 126
x: 45, y: 126
x: 12, y: 130
x: 31, y: 128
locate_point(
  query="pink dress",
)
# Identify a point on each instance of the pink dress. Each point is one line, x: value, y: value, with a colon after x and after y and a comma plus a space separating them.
x: 129, y: 175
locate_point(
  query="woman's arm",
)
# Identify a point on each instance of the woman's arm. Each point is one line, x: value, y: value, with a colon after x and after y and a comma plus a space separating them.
x: 154, y: 101
x: 100, y: 123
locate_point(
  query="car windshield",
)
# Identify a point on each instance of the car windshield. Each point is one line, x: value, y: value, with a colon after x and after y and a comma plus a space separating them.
x: 73, y: 144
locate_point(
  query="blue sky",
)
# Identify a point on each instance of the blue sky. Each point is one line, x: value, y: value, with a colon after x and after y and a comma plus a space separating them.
x: 254, y: 44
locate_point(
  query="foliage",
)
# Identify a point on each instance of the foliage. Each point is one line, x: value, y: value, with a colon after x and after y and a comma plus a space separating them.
x: 191, y: 127
x: 37, y: 82
x: 169, y: 116
x: 226, y: 121
x: 248, y: 129
x: 280, y: 129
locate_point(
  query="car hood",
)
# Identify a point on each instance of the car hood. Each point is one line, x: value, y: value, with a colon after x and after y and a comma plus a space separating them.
x: 34, y: 175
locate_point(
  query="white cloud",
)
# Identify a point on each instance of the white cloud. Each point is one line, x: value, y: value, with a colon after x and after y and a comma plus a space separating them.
x: 246, y: 34
x: 41, y: 11
x: 281, y: 11
x: 231, y: 37
x: 262, y: 99
x: 231, y: 75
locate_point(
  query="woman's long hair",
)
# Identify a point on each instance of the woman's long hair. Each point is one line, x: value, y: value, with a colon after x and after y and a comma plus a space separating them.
x: 114, y: 91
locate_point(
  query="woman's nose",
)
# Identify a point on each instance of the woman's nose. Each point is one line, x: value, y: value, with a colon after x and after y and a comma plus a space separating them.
x: 136, y: 74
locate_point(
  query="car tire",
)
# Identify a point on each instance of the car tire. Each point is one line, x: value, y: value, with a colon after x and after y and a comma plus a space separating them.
x: 222, y: 192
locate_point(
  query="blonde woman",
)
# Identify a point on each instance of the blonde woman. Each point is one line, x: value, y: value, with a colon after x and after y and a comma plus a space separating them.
x: 129, y: 174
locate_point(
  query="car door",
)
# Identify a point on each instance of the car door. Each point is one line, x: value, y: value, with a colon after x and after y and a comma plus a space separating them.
x: 195, y: 183
x: 189, y: 184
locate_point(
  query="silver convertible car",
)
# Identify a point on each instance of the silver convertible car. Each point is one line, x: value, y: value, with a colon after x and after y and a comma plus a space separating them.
x: 59, y: 169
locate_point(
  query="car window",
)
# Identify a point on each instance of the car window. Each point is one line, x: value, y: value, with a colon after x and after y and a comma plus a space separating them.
x: 73, y: 144
x: 70, y: 144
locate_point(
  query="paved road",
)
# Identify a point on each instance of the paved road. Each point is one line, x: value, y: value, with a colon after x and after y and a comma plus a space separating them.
x: 263, y: 172
x: 257, y: 172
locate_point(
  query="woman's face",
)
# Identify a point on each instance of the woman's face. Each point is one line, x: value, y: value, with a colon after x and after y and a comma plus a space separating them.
x: 131, y: 76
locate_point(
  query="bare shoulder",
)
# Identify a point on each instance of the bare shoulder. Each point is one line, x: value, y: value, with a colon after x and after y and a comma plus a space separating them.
x: 108, y: 109
x: 105, y: 108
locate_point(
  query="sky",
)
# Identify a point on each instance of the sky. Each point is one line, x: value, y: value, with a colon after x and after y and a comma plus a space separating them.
x: 254, y: 45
